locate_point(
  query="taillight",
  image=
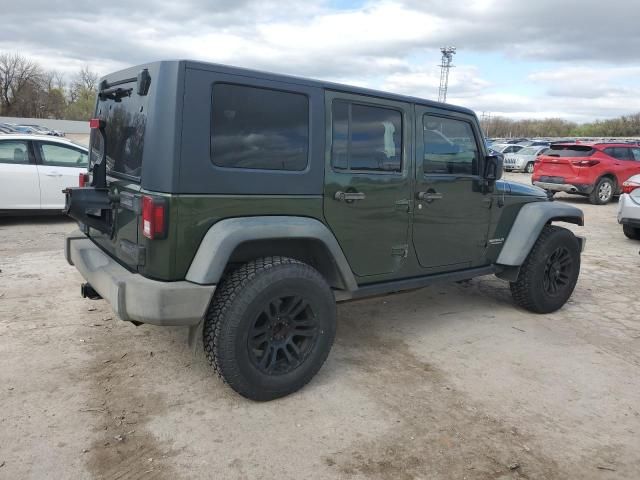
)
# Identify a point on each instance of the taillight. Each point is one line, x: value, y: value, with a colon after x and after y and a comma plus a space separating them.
x: 629, y: 186
x: 585, y: 163
x: 83, y: 179
x: 154, y: 217
x: 96, y: 123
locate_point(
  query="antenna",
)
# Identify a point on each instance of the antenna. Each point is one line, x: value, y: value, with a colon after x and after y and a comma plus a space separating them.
x: 447, y: 59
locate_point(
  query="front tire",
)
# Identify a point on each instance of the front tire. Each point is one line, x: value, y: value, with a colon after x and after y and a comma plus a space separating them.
x: 550, y: 272
x: 603, y: 191
x: 529, y: 167
x: 631, y: 232
x: 270, y: 327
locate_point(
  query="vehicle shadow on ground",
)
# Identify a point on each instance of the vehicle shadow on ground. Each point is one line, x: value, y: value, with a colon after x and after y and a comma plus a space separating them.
x: 50, y: 219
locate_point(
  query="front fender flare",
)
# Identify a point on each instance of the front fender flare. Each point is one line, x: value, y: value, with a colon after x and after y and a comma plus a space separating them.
x: 224, y: 236
x: 527, y: 227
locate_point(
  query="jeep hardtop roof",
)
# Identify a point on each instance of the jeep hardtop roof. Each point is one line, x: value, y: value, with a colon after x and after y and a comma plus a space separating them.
x: 226, y: 69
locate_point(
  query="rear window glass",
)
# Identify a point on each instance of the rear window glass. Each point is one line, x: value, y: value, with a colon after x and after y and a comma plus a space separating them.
x: 62, y: 156
x: 366, y: 137
x: 259, y: 128
x: 569, y: 151
x: 125, y: 123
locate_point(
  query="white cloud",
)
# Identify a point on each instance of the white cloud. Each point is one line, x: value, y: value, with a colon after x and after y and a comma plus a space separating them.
x: 376, y: 45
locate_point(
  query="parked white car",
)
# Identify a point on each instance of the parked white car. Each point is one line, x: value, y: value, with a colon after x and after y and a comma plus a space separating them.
x: 629, y: 208
x: 34, y: 169
x: 523, y: 160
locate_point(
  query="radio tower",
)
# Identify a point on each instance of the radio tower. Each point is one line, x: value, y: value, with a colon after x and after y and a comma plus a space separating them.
x: 447, y: 58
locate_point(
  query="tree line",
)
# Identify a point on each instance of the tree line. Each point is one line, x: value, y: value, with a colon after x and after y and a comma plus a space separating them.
x: 27, y: 90
x: 501, y: 127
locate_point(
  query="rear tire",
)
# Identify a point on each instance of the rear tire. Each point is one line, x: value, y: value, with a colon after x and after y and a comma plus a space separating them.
x: 631, y: 232
x: 603, y: 191
x: 270, y: 327
x: 550, y: 272
x: 529, y: 167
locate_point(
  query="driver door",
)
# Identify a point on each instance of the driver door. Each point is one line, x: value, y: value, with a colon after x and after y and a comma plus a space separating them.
x: 58, y: 168
x: 452, y: 214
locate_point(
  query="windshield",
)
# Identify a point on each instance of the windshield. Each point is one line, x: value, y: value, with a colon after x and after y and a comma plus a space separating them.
x: 529, y: 151
x: 569, y: 151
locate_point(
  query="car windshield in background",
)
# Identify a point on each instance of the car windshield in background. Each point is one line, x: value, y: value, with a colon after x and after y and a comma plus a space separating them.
x: 528, y: 151
x: 569, y: 151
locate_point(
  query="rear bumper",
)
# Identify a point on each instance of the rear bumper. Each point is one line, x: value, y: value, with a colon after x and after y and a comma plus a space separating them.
x: 628, y: 211
x: 132, y: 296
x: 565, y: 187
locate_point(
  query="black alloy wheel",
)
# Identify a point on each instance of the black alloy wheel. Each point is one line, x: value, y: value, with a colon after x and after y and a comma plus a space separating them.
x: 557, y: 272
x: 282, y: 335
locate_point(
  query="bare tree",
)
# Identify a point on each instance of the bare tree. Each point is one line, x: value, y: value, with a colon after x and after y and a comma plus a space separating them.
x: 16, y: 74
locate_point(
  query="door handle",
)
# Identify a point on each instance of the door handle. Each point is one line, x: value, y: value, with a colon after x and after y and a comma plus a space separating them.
x: 53, y: 174
x: 429, y: 196
x: 349, y: 196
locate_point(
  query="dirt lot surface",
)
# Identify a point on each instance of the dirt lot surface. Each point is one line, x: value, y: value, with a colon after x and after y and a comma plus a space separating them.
x: 446, y: 382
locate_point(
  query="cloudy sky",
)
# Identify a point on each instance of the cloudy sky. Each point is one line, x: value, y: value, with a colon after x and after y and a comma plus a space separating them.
x: 576, y: 59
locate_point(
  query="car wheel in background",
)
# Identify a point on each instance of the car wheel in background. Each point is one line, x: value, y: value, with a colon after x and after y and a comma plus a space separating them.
x: 603, y: 192
x: 631, y: 232
x: 529, y: 167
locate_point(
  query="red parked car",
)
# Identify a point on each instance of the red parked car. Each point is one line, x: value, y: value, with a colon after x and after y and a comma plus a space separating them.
x: 596, y: 170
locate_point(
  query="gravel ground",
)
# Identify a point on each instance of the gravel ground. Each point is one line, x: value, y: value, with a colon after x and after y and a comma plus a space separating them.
x: 451, y: 381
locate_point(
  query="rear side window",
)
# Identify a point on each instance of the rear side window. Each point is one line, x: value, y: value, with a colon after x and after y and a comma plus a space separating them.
x: 569, y: 151
x: 636, y: 154
x: 449, y: 146
x: 259, y: 128
x: 366, y: 137
x: 621, y: 153
x: 14, y: 151
x: 62, y: 156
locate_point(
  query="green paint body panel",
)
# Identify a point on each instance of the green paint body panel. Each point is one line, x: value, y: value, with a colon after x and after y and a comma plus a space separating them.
x: 389, y: 233
x: 197, y: 213
x: 372, y: 232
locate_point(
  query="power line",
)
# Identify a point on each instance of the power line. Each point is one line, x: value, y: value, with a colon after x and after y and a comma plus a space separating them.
x: 447, y: 59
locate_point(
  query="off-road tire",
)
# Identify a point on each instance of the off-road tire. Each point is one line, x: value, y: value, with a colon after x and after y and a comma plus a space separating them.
x: 631, y: 232
x: 528, y: 168
x: 605, y: 184
x: 238, y: 305
x: 530, y: 291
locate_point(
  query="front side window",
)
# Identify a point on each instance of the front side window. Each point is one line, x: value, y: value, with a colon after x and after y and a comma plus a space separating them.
x: 449, y: 146
x: 62, y: 156
x: 636, y: 154
x: 14, y: 151
x: 258, y: 128
x: 366, y: 138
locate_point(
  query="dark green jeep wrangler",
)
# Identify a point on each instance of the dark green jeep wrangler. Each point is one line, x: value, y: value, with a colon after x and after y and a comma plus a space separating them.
x: 244, y: 204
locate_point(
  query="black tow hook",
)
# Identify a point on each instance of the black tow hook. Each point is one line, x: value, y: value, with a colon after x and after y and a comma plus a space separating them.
x: 87, y: 291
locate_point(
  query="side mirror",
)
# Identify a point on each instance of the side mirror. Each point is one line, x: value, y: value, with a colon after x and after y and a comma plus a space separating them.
x: 493, y: 166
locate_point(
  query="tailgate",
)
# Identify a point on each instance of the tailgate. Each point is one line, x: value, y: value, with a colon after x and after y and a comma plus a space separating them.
x: 117, y: 139
x: 559, y: 160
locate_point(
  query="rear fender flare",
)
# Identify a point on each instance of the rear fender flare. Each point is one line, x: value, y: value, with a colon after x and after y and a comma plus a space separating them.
x: 527, y: 227
x: 220, y: 241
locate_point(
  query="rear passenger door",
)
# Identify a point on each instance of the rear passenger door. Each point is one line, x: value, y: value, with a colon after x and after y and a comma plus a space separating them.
x: 451, y: 218
x: 19, y: 186
x: 58, y: 168
x: 367, y: 182
x: 624, y: 162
